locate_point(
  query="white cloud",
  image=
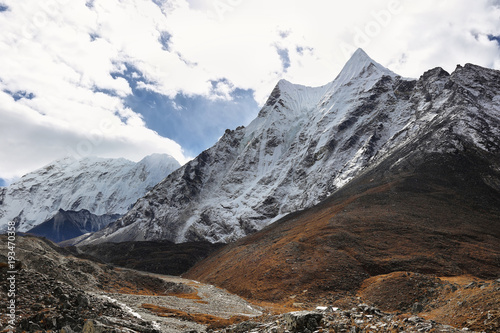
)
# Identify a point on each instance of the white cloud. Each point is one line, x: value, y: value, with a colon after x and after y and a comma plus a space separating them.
x: 238, y: 39
x: 65, y: 52
x: 30, y: 139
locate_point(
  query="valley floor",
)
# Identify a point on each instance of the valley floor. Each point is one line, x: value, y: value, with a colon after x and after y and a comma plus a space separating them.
x: 57, y: 292
x: 446, y: 303
x: 199, y: 306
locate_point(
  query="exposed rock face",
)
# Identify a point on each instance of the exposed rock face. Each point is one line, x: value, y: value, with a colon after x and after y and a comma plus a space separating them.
x: 307, y: 143
x: 99, y: 185
x: 50, y: 305
x: 432, y: 213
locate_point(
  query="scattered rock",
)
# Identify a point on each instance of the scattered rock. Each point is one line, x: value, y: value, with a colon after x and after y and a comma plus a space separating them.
x: 471, y: 285
x: 82, y: 300
x: 417, y: 308
x: 246, y: 326
x: 92, y: 326
x: 299, y: 321
x: 37, y: 307
x: 356, y: 320
x: 66, y: 329
x: 415, y: 319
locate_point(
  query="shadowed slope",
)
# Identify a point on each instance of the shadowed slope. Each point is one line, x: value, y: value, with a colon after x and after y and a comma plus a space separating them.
x: 161, y: 257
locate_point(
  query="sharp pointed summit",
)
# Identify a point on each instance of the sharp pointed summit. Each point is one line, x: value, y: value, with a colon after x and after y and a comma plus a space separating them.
x: 361, y: 65
x: 360, y: 71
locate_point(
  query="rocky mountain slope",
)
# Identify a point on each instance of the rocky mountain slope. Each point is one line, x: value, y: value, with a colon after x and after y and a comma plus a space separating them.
x: 391, y: 237
x: 307, y: 143
x: 431, y: 214
x: 98, y: 185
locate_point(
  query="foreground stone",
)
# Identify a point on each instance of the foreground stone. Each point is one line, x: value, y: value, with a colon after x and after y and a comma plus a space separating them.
x: 302, y: 321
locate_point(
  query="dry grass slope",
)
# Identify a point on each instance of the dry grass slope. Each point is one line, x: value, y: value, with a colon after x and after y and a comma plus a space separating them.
x: 212, y: 322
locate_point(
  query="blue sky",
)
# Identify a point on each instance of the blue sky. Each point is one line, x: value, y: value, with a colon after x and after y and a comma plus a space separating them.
x: 494, y: 38
x: 195, y: 122
x: 134, y: 77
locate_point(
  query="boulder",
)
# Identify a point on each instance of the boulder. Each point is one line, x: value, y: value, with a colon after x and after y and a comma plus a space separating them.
x: 93, y: 326
x: 302, y: 320
x: 66, y: 329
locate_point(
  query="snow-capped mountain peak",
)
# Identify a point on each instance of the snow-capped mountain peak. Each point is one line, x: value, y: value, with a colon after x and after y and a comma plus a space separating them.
x: 360, y: 69
x: 99, y: 185
x: 359, y: 73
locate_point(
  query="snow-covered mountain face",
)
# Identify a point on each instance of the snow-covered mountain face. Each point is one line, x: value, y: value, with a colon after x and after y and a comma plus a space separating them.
x: 101, y: 186
x: 308, y: 142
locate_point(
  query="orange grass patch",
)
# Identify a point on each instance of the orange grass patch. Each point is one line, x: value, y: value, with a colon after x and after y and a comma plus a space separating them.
x: 202, y: 302
x: 213, y: 322
x: 461, y: 279
x: 193, y: 295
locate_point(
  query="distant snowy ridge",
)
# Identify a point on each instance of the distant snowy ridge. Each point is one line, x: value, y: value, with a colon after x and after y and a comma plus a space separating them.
x: 100, y: 185
x: 307, y: 143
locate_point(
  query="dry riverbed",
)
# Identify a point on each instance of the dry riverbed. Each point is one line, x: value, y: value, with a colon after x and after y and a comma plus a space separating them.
x: 196, y: 307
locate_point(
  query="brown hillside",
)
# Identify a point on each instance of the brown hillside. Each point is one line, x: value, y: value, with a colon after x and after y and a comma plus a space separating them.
x: 438, y: 217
